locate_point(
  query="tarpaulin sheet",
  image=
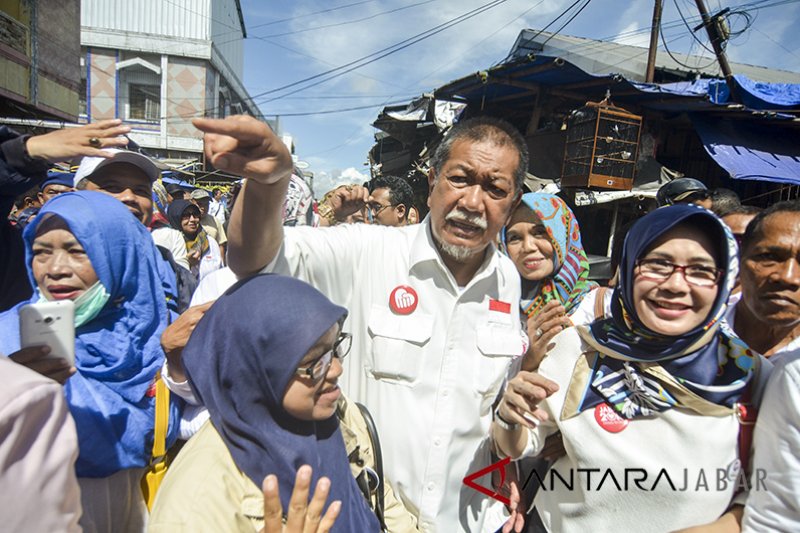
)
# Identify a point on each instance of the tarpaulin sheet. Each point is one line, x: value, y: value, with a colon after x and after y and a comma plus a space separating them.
x: 751, y: 151
x: 756, y: 95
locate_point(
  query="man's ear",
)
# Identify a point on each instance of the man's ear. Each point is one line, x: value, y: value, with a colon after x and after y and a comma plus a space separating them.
x: 41, y: 198
x: 514, y: 204
x: 402, y: 212
x: 431, y: 181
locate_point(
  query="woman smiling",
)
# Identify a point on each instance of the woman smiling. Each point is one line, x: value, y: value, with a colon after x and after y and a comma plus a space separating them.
x: 544, y: 242
x: 654, y: 388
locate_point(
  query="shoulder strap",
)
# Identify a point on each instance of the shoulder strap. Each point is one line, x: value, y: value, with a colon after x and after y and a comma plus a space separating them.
x: 600, y: 303
x: 162, y: 419
x: 376, y: 453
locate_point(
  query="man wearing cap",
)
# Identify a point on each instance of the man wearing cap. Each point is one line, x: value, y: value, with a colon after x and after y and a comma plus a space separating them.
x: 210, y: 224
x: 55, y: 184
x: 684, y: 191
x: 128, y: 177
x: 175, y: 192
x: 434, y: 307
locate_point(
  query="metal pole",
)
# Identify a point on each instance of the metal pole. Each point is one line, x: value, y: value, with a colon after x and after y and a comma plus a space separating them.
x: 651, y: 54
x: 716, y: 41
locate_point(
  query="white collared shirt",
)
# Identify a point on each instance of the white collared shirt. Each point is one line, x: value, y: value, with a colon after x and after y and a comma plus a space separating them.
x: 430, y: 377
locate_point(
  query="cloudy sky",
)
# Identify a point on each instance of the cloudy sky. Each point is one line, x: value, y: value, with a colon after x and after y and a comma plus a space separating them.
x: 292, y: 40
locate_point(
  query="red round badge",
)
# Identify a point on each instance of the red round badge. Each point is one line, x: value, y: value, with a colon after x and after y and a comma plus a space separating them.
x: 403, y: 300
x: 608, y: 418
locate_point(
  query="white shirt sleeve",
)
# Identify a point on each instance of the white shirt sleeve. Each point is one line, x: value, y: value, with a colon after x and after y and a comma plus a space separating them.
x: 172, y: 240
x: 774, y: 504
x: 327, y: 258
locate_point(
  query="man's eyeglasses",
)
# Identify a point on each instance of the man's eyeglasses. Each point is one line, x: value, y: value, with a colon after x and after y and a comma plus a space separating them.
x: 317, y: 369
x: 376, y: 208
x: 661, y: 270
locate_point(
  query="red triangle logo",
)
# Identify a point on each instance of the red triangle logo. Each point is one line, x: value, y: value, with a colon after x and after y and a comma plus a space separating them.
x: 500, y: 465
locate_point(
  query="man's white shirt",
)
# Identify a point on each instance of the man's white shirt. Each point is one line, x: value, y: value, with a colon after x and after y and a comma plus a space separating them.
x: 429, y: 377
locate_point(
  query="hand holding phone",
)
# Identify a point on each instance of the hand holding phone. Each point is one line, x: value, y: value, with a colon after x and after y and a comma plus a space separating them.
x: 47, y: 338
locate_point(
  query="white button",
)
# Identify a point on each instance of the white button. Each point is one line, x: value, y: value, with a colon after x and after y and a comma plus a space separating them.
x: 437, y: 442
x: 445, y: 393
x: 431, y: 486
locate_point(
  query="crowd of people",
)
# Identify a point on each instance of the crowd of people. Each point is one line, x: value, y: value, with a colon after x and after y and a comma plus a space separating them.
x: 261, y: 362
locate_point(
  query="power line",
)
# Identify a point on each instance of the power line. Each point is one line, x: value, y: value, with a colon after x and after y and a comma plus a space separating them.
x: 567, y: 22
x: 380, y: 54
x: 347, y: 22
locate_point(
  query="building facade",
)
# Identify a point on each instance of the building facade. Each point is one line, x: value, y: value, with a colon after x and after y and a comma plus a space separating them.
x: 39, y: 58
x: 157, y: 64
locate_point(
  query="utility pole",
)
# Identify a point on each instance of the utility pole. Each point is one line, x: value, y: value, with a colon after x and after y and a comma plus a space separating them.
x: 715, y: 35
x: 651, y: 54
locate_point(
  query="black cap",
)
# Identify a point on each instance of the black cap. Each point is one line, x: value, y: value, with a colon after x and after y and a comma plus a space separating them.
x: 680, y: 189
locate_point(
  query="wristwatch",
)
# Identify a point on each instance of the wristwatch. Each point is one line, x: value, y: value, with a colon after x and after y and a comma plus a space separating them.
x: 508, y: 426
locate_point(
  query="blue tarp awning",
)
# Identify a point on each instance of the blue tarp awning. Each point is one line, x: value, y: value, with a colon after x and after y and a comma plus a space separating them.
x: 754, y: 139
x: 751, y: 151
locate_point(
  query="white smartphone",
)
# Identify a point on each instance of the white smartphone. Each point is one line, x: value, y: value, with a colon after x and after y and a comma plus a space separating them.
x: 51, y: 324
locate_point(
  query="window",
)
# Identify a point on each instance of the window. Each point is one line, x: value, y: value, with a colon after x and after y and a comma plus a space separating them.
x: 139, y: 79
x: 144, y: 102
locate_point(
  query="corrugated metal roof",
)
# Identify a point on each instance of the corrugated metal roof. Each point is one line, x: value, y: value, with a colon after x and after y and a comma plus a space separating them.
x: 605, y: 57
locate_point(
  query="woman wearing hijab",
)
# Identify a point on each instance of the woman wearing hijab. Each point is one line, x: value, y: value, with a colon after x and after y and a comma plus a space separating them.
x: 201, y: 250
x: 86, y: 247
x: 543, y: 240
x: 264, y: 360
x: 647, y: 400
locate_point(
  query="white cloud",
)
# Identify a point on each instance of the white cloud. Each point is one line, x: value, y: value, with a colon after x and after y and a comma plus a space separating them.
x: 325, y: 181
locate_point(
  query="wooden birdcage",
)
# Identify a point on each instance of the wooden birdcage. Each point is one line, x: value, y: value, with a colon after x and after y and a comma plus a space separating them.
x: 602, y: 147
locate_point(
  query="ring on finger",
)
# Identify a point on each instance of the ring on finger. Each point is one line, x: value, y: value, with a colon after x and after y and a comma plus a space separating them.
x: 94, y: 142
x: 538, y: 332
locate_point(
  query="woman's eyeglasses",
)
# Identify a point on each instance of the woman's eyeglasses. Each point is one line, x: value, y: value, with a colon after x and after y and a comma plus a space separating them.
x: 318, y: 368
x: 661, y: 270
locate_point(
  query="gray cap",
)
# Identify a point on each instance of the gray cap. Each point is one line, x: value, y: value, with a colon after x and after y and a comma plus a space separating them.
x: 90, y: 165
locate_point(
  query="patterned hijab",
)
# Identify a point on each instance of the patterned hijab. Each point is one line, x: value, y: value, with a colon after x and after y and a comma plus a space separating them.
x: 570, y: 279
x: 640, y: 372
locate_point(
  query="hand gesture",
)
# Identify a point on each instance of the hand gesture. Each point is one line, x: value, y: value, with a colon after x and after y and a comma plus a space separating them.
x: 542, y: 327
x: 304, y: 516
x: 520, y: 403
x: 245, y: 146
x: 516, y: 522
x: 36, y: 359
x: 87, y: 140
x: 348, y: 199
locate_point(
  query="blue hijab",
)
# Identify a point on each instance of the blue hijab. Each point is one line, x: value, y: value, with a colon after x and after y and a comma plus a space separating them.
x: 240, y: 360
x: 709, y: 363
x: 117, y: 353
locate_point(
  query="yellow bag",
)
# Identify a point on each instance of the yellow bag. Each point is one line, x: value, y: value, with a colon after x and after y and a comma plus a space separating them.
x: 158, y: 463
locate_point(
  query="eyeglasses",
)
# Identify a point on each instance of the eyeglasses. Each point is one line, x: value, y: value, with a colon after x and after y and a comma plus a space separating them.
x: 377, y: 208
x: 318, y: 368
x: 661, y: 270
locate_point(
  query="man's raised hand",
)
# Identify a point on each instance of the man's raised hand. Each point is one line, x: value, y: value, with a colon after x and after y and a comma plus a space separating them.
x: 245, y: 146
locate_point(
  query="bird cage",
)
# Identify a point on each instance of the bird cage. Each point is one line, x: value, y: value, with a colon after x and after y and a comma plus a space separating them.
x: 602, y: 147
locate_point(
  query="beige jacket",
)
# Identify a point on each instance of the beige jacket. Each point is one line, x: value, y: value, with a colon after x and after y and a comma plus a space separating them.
x: 205, y: 491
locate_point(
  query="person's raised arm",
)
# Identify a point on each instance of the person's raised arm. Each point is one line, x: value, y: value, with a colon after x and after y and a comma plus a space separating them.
x: 245, y: 146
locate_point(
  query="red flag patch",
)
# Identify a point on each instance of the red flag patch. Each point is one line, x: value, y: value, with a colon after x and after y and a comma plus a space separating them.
x: 497, y: 305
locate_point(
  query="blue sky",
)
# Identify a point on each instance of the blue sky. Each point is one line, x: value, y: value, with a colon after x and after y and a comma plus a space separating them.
x: 288, y: 42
